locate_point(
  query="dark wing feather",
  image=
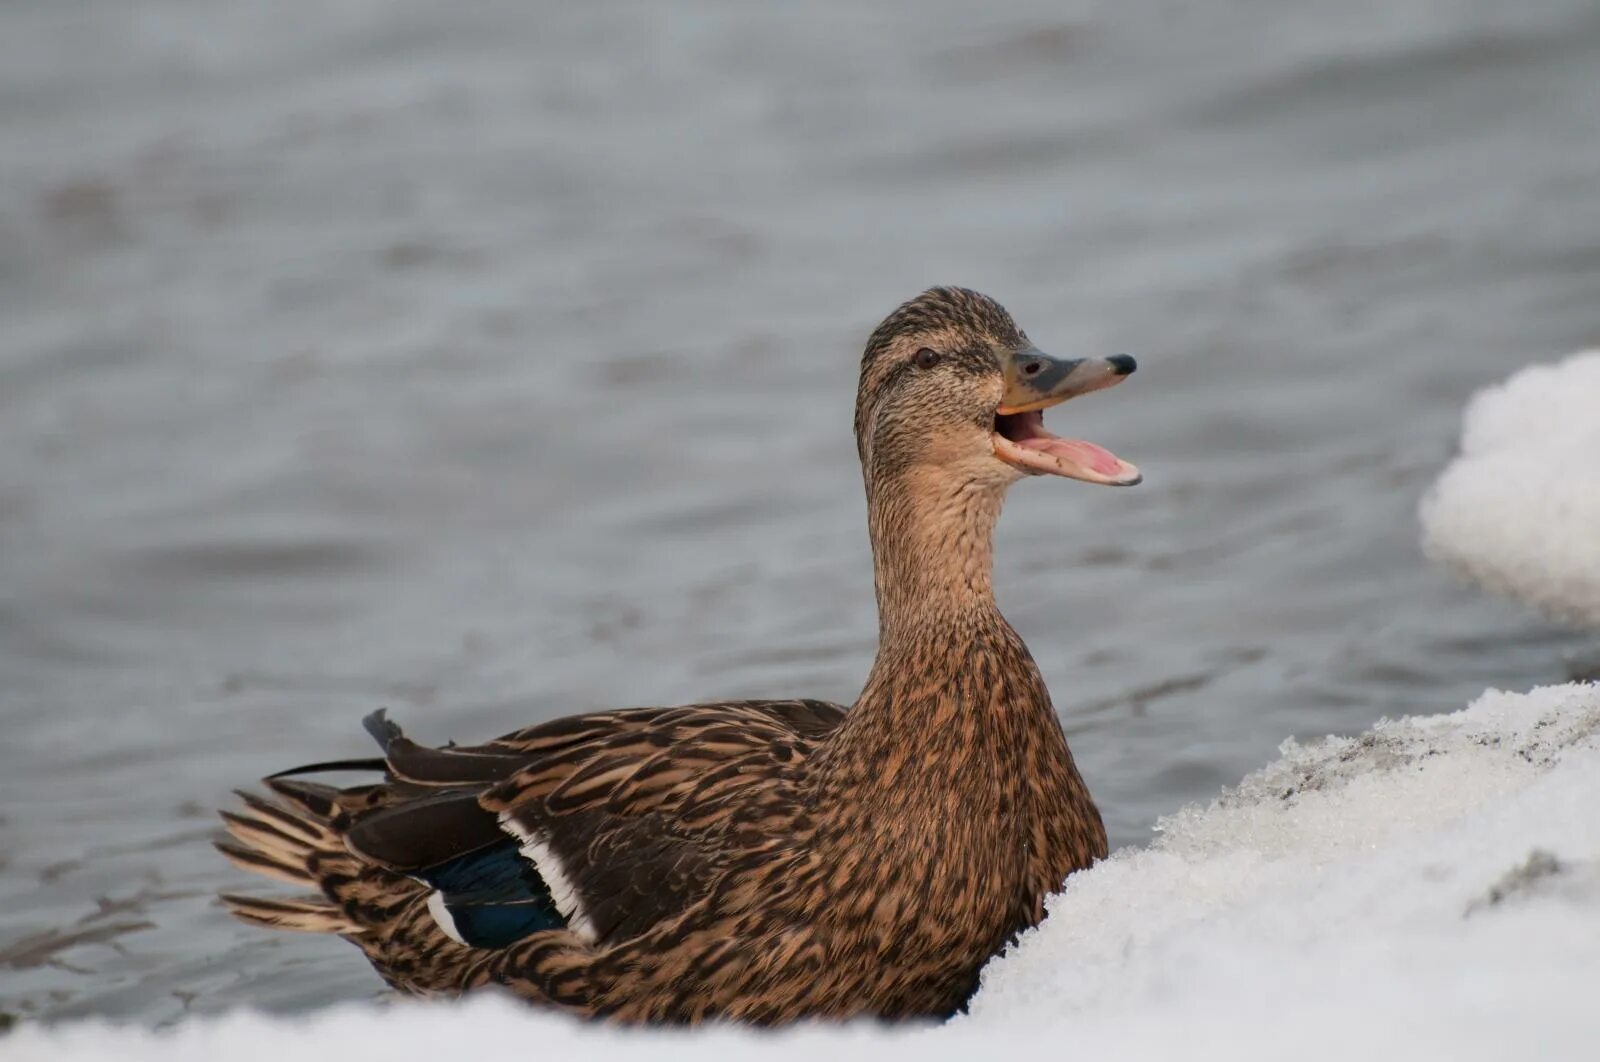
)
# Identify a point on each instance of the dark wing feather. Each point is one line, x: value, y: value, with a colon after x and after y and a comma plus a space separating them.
x: 425, y: 831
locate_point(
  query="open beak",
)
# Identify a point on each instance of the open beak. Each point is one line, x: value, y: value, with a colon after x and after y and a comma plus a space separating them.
x: 1036, y: 381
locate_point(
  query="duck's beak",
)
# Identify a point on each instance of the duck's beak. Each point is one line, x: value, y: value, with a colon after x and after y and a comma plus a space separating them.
x: 1036, y: 381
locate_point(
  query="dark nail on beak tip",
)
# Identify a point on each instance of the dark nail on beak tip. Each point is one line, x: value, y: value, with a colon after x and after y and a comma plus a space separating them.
x: 1123, y: 364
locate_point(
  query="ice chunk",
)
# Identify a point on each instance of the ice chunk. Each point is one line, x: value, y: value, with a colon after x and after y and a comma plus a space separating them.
x: 1519, y: 509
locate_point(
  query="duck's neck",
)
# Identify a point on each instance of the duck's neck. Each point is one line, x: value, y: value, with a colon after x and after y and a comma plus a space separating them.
x: 951, y: 770
x: 954, y: 731
x: 940, y: 635
x: 932, y: 557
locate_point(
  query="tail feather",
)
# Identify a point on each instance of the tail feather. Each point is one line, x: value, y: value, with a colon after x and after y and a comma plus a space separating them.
x: 381, y: 728
x: 310, y: 834
x: 317, y: 799
x: 369, y: 764
x: 296, y: 843
x: 305, y: 823
x: 268, y: 833
x: 247, y: 858
x: 304, y: 914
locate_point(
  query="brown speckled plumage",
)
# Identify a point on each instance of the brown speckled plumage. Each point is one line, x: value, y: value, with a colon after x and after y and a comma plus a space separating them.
x: 756, y: 861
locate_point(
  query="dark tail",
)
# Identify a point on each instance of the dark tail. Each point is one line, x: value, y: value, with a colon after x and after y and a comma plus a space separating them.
x: 299, y: 839
x: 374, y: 853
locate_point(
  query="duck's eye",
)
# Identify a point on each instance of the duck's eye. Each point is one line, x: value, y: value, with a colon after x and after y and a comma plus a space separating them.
x: 926, y: 358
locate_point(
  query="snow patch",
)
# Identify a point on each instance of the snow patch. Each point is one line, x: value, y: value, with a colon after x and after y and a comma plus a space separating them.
x: 1429, y: 889
x: 1343, y: 873
x: 1519, y: 509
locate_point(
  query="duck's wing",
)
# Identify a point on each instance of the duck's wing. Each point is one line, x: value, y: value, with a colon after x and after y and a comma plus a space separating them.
x: 605, y: 824
x: 636, y: 813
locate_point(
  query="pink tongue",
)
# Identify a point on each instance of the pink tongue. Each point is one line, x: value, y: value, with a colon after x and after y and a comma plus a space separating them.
x: 1086, y: 454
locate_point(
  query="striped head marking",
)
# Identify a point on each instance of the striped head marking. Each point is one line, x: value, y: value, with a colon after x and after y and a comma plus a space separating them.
x: 950, y: 383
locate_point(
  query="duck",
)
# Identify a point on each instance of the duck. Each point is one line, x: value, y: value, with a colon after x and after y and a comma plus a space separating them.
x: 751, y: 861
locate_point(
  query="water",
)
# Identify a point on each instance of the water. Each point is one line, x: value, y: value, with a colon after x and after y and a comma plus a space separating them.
x: 494, y: 361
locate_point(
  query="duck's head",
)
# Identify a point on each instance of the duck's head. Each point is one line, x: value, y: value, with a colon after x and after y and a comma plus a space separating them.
x: 950, y: 384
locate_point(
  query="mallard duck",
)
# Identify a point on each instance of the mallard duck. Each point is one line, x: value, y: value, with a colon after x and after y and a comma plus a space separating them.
x: 756, y: 861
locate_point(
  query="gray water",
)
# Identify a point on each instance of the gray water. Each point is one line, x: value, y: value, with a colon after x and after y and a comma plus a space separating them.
x: 493, y: 362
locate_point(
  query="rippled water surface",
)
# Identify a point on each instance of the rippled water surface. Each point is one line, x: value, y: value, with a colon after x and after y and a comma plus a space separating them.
x: 495, y: 361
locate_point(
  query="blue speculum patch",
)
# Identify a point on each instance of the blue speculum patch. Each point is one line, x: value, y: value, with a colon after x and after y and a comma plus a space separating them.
x: 494, y: 895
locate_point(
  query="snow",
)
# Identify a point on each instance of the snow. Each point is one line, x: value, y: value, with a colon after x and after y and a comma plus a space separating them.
x: 1429, y: 889
x: 1519, y: 509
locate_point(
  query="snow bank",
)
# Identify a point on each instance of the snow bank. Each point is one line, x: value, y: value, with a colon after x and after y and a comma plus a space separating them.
x: 1519, y: 509
x: 1428, y: 889
x: 1402, y: 878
